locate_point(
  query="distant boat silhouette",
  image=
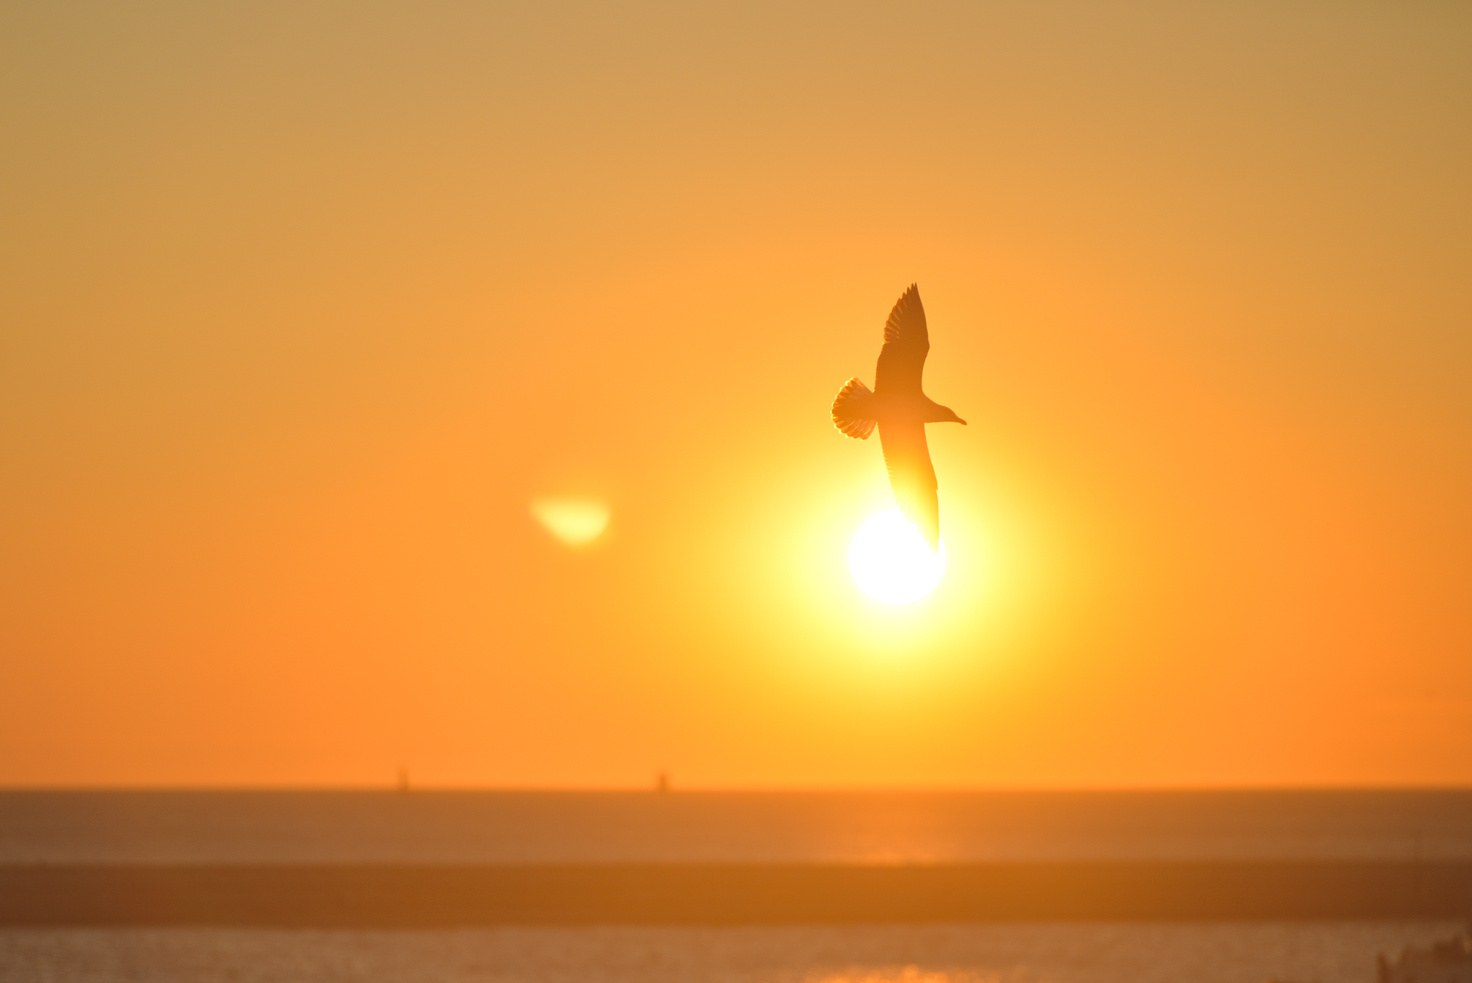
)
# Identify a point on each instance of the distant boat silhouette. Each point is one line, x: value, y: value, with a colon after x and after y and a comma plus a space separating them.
x: 900, y: 410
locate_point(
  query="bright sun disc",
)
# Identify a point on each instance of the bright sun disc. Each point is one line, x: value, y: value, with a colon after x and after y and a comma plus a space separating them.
x: 891, y: 562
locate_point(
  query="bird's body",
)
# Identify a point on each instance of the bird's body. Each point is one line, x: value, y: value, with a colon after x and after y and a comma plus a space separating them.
x: 898, y: 407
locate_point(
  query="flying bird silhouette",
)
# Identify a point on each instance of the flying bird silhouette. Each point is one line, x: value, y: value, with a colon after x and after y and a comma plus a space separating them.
x: 900, y: 410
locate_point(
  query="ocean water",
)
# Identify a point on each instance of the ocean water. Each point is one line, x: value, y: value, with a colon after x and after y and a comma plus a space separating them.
x: 1043, y: 953
x: 758, y: 827
x: 681, y: 826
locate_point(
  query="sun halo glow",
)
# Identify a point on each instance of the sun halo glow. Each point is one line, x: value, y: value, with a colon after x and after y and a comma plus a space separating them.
x: 891, y: 562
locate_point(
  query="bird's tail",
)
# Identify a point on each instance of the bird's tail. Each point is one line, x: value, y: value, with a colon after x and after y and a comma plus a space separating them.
x: 853, y: 410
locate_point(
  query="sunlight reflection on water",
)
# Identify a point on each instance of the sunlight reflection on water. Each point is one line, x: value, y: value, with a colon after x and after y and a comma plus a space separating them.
x: 1325, y: 952
x: 905, y: 974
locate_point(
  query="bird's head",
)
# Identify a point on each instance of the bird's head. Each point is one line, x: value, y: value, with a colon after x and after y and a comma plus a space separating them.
x: 933, y: 412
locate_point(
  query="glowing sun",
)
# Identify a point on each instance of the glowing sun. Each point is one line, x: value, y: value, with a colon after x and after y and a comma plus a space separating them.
x: 891, y: 561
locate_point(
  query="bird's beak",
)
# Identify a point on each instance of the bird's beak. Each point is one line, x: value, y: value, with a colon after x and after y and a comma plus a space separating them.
x: 961, y: 421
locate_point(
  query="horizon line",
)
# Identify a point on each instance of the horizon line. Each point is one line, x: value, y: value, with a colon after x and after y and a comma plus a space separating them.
x: 653, y: 788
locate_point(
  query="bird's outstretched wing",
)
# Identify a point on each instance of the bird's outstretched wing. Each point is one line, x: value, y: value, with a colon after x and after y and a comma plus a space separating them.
x: 912, y: 476
x: 906, y: 343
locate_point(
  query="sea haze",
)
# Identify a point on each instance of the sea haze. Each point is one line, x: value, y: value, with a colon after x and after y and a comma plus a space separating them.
x: 480, y: 827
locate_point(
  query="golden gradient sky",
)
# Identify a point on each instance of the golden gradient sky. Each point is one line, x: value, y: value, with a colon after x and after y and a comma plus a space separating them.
x: 302, y: 304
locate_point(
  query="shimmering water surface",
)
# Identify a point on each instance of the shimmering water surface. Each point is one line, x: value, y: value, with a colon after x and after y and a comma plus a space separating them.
x: 1050, y: 953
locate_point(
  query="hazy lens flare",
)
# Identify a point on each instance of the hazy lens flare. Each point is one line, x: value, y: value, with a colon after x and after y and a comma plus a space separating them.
x: 574, y: 521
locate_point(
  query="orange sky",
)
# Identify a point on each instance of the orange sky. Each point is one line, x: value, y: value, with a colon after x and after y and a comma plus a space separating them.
x: 301, y: 305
